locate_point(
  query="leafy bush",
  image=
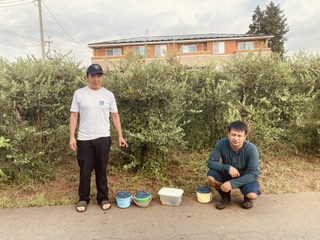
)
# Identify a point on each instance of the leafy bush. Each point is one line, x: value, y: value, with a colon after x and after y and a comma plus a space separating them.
x: 150, y: 100
x: 269, y: 98
x: 306, y: 72
x: 35, y: 99
x: 164, y: 106
x: 207, y: 110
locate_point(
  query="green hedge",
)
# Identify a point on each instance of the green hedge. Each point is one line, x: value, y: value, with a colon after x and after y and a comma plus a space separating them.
x: 164, y: 106
x: 35, y: 102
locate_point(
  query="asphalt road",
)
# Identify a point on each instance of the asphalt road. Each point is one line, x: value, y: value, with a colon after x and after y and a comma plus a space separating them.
x: 285, y: 216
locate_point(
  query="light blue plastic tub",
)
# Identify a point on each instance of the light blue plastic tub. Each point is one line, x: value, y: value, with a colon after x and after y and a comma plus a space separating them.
x: 124, y: 202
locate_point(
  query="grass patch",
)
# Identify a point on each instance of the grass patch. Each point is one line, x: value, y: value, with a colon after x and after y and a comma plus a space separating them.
x: 37, y: 201
x: 182, y: 170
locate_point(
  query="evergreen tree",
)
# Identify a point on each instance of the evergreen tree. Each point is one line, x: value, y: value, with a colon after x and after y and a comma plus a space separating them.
x: 271, y: 21
x: 257, y: 25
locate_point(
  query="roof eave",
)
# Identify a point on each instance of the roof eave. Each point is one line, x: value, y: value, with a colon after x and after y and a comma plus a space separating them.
x: 106, y: 44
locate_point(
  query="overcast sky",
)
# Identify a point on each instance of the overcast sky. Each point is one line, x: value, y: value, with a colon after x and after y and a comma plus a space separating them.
x: 72, y: 25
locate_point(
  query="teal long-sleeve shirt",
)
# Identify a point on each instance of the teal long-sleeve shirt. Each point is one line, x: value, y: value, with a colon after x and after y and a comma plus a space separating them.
x: 245, y: 160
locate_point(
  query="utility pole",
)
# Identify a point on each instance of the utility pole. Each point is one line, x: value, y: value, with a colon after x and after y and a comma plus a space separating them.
x: 41, y: 32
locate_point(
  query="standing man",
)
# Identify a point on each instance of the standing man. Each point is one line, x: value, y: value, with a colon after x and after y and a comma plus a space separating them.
x: 93, y: 104
x: 239, y: 167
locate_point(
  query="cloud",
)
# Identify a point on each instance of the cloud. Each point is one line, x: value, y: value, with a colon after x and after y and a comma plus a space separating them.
x: 73, y: 23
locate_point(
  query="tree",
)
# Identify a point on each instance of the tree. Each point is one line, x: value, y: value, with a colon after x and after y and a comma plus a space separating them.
x: 257, y: 25
x: 271, y: 21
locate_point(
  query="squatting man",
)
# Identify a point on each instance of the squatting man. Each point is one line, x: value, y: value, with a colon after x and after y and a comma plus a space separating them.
x: 234, y: 163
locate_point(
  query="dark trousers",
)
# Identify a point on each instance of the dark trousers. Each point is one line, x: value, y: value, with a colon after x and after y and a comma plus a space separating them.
x: 93, y: 154
x: 245, y: 189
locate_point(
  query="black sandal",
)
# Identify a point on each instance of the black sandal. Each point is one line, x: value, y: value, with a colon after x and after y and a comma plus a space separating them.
x: 105, y: 203
x: 247, y: 203
x: 81, y: 204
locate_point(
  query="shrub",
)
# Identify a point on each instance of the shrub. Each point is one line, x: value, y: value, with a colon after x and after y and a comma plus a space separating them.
x: 35, y: 99
x: 150, y: 101
x: 270, y: 98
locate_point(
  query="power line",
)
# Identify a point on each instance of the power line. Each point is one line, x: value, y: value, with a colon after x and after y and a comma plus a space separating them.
x: 12, y: 3
x: 17, y: 35
x: 64, y: 29
x: 15, y: 5
x: 53, y: 38
x: 9, y: 2
x: 16, y: 48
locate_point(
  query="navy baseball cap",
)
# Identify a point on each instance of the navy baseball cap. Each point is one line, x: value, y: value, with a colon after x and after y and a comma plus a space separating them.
x: 94, y: 69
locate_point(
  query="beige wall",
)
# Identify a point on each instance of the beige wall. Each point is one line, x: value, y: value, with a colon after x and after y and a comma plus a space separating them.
x: 199, y: 60
x: 203, y: 55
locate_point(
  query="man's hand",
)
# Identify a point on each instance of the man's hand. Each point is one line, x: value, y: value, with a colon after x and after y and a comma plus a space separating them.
x: 122, y: 142
x: 233, y: 172
x: 73, y: 144
x: 226, y: 186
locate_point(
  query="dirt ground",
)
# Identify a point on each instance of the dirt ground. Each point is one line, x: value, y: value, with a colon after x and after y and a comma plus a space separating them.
x: 279, y: 175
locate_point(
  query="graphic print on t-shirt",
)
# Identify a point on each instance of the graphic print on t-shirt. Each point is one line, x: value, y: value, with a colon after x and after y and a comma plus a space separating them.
x: 101, y: 103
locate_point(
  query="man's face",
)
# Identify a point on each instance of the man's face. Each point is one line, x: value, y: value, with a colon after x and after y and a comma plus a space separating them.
x: 236, y: 139
x: 95, y: 81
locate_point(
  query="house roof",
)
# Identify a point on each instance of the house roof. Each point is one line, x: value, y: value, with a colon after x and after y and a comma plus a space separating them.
x: 177, y: 38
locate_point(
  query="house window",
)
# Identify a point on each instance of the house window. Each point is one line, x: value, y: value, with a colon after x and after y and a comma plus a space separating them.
x: 161, y: 50
x: 140, y: 50
x: 114, y: 52
x: 245, y: 45
x: 189, y: 48
x: 218, y: 48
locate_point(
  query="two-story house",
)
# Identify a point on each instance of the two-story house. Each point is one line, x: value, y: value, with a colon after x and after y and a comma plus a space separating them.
x: 189, y: 49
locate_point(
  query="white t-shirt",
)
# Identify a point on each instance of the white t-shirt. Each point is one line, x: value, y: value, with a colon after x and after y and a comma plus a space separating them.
x: 94, y: 107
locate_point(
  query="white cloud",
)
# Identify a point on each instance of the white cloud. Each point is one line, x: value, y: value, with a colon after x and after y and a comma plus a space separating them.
x: 100, y: 20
